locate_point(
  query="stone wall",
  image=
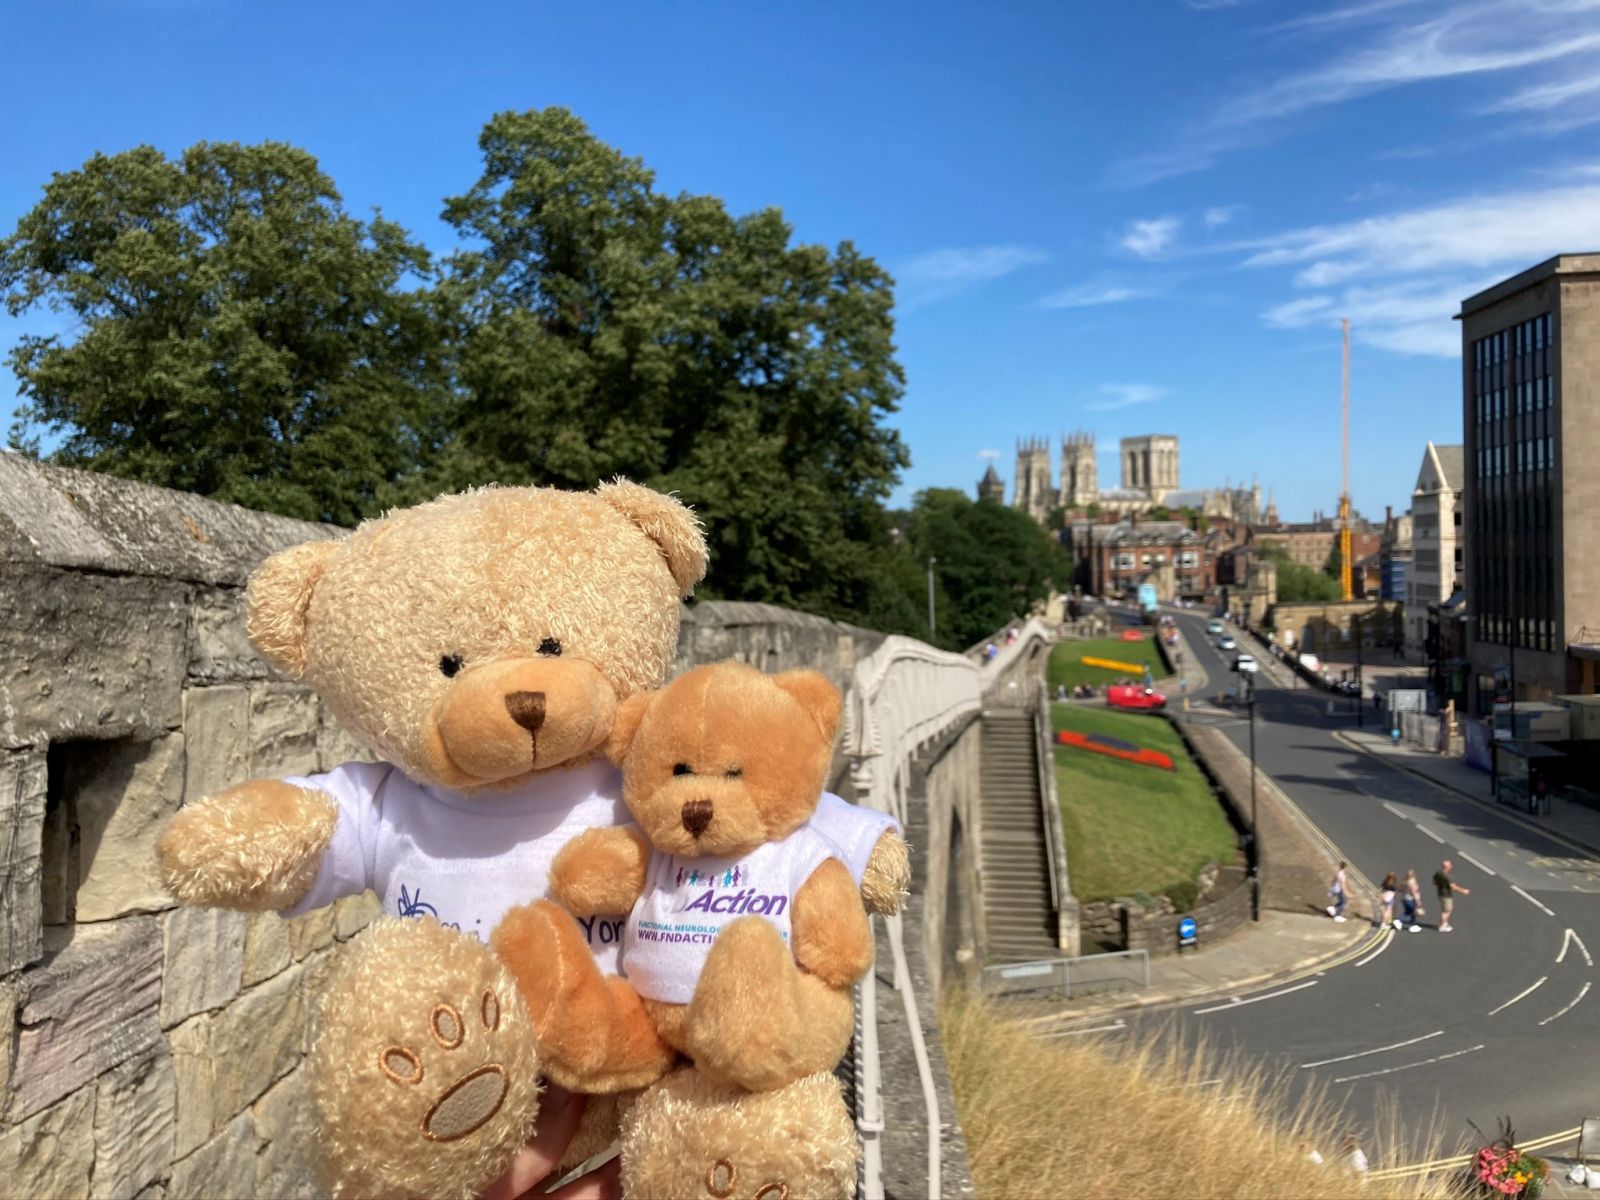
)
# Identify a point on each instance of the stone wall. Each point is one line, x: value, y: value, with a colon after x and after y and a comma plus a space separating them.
x: 144, y: 1050
x: 1128, y: 925
x: 772, y: 638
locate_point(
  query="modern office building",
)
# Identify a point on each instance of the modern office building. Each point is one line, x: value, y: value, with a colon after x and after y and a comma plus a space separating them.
x: 1531, y: 496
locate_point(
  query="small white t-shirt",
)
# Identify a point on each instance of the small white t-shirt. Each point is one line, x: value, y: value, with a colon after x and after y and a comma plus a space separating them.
x: 687, y: 902
x: 466, y: 860
x: 853, y: 830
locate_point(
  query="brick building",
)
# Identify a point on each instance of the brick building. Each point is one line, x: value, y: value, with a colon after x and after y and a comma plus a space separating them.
x: 1116, y: 557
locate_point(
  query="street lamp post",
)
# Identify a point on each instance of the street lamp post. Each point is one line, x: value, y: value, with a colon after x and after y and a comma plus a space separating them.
x: 1361, y: 630
x: 1255, y: 831
x: 932, y: 636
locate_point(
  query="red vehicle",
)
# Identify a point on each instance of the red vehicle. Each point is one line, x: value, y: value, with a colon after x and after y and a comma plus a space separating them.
x: 1135, y: 696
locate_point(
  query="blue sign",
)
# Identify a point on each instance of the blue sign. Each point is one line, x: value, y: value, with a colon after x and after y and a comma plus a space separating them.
x: 1187, y: 929
x: 1147, y: 597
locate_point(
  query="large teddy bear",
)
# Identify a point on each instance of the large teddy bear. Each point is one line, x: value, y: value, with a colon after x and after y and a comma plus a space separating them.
x: 479, y: 645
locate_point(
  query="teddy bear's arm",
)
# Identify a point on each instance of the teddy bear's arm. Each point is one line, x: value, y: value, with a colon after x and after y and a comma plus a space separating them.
x: 255, y: 847
x: 888, y: 875
x: 832, y: 939
x: 601, y: 871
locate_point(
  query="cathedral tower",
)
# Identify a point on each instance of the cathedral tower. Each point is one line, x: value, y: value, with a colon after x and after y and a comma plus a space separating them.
x: 1080, y: 481
x: 1032, y: 493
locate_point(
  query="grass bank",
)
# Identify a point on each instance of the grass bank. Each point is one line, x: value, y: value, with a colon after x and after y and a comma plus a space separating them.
x: 1141, y: 1120
x: 1132, y: 828
x: 1066, y: 660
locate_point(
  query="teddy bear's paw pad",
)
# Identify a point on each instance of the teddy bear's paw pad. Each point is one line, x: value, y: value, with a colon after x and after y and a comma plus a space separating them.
x: 425, y: 1068
x: 722, y: 1183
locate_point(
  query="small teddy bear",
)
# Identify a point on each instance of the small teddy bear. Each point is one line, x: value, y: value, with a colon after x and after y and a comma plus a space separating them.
x: 745, y: 927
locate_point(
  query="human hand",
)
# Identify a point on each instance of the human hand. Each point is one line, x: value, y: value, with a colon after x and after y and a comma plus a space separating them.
x: 560, y: 1111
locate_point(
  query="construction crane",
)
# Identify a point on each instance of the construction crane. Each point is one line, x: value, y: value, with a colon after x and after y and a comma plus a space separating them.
x: 1346, y: 591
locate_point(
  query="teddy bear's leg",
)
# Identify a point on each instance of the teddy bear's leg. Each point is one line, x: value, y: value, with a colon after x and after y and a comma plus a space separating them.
x: 756, y: 1019
x: 691, y: 1136
x: 594, y: 1034
x: 424, y: 1068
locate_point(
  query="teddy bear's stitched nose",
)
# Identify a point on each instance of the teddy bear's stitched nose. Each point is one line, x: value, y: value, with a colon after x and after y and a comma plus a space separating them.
x: 526, y: 709
x: 696, y: 816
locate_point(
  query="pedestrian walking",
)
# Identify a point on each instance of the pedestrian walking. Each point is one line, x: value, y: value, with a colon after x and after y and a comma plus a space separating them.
x: 1337, y: 890
x: 1386, y: 895
x: 1411, y: 902
x: 1447, y: 889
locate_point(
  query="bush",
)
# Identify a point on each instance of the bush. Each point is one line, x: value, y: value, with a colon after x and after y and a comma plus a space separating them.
x: 1184, y: 894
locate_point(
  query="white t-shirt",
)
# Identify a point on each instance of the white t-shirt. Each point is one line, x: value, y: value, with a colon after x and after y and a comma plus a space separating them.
x: 687, y: 902
x: 853, y: 830
x: 463, y: 859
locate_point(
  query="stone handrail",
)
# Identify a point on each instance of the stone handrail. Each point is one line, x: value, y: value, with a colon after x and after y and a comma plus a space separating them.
x: 904, y: 696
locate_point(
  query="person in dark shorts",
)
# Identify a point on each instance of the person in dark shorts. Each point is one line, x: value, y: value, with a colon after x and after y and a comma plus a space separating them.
x: 1447, y: 889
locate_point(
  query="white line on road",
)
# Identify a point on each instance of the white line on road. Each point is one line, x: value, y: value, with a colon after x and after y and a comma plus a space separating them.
x: 1429, y: 832
x: 1238, y: 1003
x: 1391, y: 1070
x: 1347, y: 1057
x: 1519, y: 995
x: 1384, y: 939
x: 1475, y: 862
x: 1584, y: 991
x: 1531, y: 900
x: 1571, y: 936
x: 1119, y: 1025
x: 1394, y: 810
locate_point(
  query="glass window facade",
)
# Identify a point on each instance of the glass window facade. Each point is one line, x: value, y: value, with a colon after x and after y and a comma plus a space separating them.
x: 1514, y: 425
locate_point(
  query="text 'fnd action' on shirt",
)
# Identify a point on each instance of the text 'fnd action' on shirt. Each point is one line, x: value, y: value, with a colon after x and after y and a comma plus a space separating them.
x: 687, y: 902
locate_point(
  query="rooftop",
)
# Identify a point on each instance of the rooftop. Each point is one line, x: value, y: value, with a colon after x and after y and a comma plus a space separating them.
x: 1561, y: 264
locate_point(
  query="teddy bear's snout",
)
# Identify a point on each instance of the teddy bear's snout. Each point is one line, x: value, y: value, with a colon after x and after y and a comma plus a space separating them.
x: 527, y: 709
x: 697, y: 816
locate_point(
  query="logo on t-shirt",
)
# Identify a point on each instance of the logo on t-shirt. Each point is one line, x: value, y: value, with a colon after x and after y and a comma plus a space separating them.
x: 750, y: 901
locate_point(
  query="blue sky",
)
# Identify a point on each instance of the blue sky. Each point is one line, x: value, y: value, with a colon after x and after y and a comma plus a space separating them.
x: 1125, y: 218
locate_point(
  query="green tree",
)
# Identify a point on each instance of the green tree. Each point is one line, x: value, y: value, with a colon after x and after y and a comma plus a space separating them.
x: 1297, y: 583
x: 610, y: 329
x: 237, y: 333
x: 993, y: 563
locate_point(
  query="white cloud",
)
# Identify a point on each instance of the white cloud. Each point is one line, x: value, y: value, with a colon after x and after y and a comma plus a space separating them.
x: 1217, y: 217
x: 942, y: 273
x: 1092, y: 295
x: 1149, y: 238
x: 991, y: 455
x: 1125, y: 395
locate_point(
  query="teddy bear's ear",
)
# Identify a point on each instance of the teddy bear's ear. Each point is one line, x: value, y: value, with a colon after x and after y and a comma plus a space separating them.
x: 277, y: 600
x: 667, y: 522
x: 817, y: 696
x: 626, y: 726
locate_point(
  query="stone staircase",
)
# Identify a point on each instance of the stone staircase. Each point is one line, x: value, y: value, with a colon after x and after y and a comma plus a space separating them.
x: 1019, y: 923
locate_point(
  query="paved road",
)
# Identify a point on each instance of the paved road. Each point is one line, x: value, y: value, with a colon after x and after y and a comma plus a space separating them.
x: 1446, y: 1028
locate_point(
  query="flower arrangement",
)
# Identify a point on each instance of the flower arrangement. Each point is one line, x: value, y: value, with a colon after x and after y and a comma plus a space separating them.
x: 1500, y: 1169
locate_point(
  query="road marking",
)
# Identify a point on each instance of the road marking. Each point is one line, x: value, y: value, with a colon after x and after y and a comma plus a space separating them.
x: 1429, y: 832
x: 1114, y: 1027
x: 1384, y: 939
x: 1475, y: 862
x: 1582, y: 992
x: 1427, y: 1062
x: 1571, y: 936
x: 1347, y: 1057
x: 1238, y: 1003
x: 1461, y: 1160
x: 1520, y: 995
x: 1531, y: 900
x: 1392, y: 808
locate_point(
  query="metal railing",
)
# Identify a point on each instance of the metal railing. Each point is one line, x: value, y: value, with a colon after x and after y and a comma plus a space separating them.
x: 1066, y: 977
x: 1044, y: 756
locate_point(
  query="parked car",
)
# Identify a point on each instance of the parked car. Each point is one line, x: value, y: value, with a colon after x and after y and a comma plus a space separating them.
x: 1134, y: 696
x: 1214, y: 629
x: 1226, y: 642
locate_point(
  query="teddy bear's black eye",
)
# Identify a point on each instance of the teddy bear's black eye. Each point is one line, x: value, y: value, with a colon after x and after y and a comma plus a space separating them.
x: 682, y: 769
x: 449, y: 665
x: 550, y: 647
x: 734, y: 772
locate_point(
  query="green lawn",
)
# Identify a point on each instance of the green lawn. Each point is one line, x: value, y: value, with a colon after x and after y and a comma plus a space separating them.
x: 1131, y: 828
x: 1066, y: 665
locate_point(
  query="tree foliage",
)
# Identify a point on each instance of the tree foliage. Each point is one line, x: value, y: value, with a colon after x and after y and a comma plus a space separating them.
x: 1297, y: 583
x: 240, y: 335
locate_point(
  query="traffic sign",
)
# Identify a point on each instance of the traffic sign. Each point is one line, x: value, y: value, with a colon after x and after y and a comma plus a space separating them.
x: 1188, y: 931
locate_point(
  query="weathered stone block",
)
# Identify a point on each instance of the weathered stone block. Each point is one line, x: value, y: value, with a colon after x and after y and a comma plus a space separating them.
x: 287, y: 1133
x: 204, y: 961
x: 335, y: 745
x: 98, y: 656
x: 224, y: 1166
x: 22, y: 803
x: 283, y: 730
x: 266, y: 948
x: 135, y: 1114
x: 219, y: 651
x: 90, y: 1007
x: 10, y: 999
x: 52, y: 1154
x: 216, y: 729
x: 122, y: 794
x: 310, y: 932
x: 352, y: 914
x: 194, y: 1075
x: 257, y: 1040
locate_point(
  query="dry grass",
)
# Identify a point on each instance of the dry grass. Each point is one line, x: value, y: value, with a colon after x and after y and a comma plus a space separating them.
x: 1082, y: 1118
